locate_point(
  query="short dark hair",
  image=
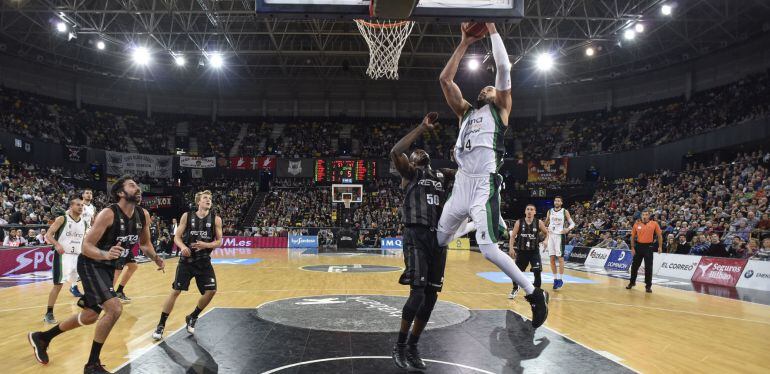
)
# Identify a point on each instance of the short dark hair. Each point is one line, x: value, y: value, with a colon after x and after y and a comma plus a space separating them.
x: 118, y: 186
x: 530, y: 205
x: 73, y: 198
x: 558, y: 197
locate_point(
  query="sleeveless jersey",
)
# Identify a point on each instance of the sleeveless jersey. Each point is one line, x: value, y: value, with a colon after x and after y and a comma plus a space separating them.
x: 71, y: 233
x: 556, y: 225
x: 89, y: 211
x: 424, y: 198
x: 199, y: 229
x: 124, y: 230
x: 480, y: 146
x: 528, y: 235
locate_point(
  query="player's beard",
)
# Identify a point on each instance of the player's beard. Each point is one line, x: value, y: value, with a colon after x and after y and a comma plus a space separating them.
x: 134, y: 199
x: 481, y: 102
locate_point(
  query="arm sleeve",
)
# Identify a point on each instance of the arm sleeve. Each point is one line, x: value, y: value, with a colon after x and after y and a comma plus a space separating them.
x: 503, y: 78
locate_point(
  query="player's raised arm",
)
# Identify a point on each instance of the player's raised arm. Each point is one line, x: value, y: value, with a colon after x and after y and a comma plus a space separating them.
x: 452, y: 93
x: 503, y: 99
x: 397, y: 153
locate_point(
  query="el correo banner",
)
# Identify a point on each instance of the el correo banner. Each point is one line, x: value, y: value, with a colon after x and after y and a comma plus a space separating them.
x: 138, y: 165
x: 197, y: 162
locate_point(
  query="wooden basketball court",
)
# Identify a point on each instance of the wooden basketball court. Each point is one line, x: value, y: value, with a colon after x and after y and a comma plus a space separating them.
x: 669, y: 330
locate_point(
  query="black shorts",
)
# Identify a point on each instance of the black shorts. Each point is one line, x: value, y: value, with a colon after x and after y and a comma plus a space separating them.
x: 425, y: 260
x: 201, y: 270
x: 122, y: 263
x: 97, y: 282
x: 532, y: 258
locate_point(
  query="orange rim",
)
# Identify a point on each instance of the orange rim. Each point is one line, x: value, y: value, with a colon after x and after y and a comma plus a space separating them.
x: 382, y: 25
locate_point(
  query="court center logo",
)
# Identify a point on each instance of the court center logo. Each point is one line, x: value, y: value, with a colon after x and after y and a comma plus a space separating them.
x: 353, y: 313
x: 354, y: 268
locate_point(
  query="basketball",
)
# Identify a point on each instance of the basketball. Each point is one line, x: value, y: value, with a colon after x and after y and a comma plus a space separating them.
x: 475, y: 29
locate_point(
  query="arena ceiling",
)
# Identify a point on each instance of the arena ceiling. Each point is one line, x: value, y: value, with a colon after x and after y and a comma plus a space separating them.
x: 256, y: 47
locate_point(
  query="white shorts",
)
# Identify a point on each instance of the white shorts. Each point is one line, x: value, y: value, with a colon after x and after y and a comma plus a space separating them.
x: 554, y: 245
x: 65, y: 268
x: 477, y: 197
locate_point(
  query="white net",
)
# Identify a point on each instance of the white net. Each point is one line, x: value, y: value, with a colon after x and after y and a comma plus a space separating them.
x: 386, y: 40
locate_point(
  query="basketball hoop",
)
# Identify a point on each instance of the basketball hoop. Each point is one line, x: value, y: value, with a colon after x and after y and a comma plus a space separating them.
x: 347, y: 199
x: 386, y: 40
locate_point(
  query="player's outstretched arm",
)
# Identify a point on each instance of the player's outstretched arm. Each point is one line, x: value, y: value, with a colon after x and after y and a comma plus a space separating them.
x: 398, y: 152
x: 452, y: 93
x: 503, y: 99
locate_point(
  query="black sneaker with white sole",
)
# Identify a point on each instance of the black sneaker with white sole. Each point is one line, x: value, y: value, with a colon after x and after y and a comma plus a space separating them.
x: 123, y: 298
x: 539, y: 302
x: 158, y: 334
x: 190, y: 324
x: 399, y: 355
x: 39, y: 347
x: 413, y: 358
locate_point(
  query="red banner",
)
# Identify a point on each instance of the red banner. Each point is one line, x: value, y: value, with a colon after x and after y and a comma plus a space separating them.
x: 25, y: 260
x: 719, y: 271
x: 254, y: 242
x: 266, y: 163
x: 241, y: 163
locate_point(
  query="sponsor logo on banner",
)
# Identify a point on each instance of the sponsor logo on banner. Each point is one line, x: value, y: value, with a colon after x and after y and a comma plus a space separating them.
x: 254, y: 242
x: 619, y: 260
x: 597, y: 257
x: 460, y: 243
x: 719, y: 271
x: 197, y: 162
x: 155, y: 202
x: 579, y: 255
x: 756, y: 276
x: 265, y: 163
x: 678, y: 266
x: 391, y: 243
x: 25, y: 260
x: 301, y: 241
x: 295, y: 167
x: 74, y: 153
x: 154, y: 166
x: 241, y: 163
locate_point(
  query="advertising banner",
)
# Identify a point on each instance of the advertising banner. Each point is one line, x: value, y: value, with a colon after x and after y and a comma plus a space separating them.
x: 73, y: 153
x: 136, y: 164
x: 579, y: 255
x: 197, y: 162
x: 25, y: 260
x: 391, y: 243
x: 551, y: 170
x: 678, y: 266
x: 301, y: 241
x: 297, y: 168
x: 155, y: 202
x: 460, y: 243
x: 265, y: 163
x: 597, y: 257
x: 657, y: 261
x: 254, y: 242
x: 242, y: 163
x: 619, y: 260
x: 719, y: 271
x: 756, y: 275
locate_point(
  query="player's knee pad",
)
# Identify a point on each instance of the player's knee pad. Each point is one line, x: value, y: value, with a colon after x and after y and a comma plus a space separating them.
x: 413, y: 303
x: 431, y: 296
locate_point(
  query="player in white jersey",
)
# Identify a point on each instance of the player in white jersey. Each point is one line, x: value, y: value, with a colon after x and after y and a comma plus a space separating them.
x: 89, y: 210
x: 557, y: 220
x: 479, y: 153
x: 66, y: 235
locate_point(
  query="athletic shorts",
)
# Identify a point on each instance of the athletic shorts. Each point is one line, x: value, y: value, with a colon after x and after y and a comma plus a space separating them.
x: 554, y: 244
x: 425, y: 260
x: 477, y: 197
x: 65, y: 268
x: 532, y: 258
x: 130, y: 258
x: 97, y: 282
x: 201, y: 270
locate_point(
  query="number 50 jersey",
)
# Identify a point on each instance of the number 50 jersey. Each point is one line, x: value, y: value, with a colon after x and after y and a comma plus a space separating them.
x: 424, y: 198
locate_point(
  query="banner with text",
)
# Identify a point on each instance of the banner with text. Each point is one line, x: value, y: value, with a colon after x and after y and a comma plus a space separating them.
x: 391, y: 243
x: 619, y: 260
x: 597, y: 257
x: 136, y: 164
x: 197, y: 162
x: 254, y: 242
x: 756, y: 276
x: 678, y: 266
x: 719, y: 271
x: 302, y: 241
x: 579, y: 255
x: 156, y: 202
x: 550, y: 170
x: 296, y: 168
x: 25, y: 260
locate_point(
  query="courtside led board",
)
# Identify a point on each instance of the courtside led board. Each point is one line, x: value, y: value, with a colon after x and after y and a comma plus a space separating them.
x: 457, y: 10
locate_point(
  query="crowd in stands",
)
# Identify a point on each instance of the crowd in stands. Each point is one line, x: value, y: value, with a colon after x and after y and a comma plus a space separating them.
x: 231, y: 199
x: 718, y: 210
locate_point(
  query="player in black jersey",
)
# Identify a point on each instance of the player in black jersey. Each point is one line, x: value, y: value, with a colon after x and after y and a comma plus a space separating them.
x: 115, y: 231
x: 424, y: 190
x: 199, y: 232
x: 526, y: 237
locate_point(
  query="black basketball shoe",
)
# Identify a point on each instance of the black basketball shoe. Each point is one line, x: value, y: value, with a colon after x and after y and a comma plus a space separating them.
x: 539, y: 302
x: 399, y: 355
x: 95, y: 368
x: 413, y: 358
x: 39, y: 346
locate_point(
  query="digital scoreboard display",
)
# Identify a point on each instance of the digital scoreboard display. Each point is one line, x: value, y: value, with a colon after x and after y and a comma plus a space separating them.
x: 345, y: 171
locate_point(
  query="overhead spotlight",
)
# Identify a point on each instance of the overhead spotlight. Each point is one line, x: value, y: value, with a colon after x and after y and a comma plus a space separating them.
x: 666, y: 9
x: 180, y: 61
x: 100, y: 45
x: 216, y: 60
x: 639, y: 28
x: 590, y: 51
x: 473, y: 64
x: 61, y: 27
x: 141, y: 56
x: 544, y: 62
x: 629, y: 34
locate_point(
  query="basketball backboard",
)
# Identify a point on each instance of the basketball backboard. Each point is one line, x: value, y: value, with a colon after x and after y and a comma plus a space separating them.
x: 436, y: 10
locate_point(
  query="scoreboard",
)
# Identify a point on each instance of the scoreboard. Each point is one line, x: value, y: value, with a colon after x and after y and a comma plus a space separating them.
x: 345, y: 171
